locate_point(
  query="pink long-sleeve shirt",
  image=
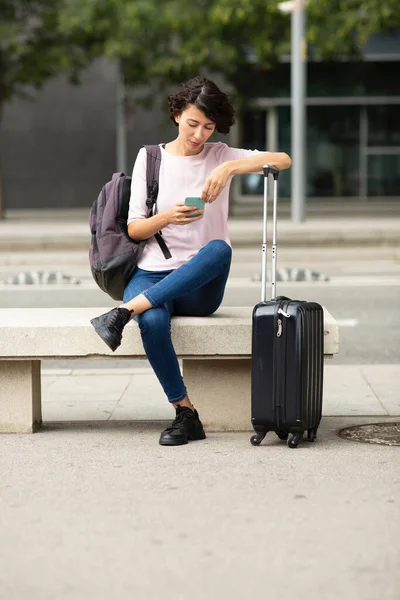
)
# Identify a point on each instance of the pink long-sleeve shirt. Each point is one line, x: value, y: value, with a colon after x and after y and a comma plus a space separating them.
x: 182, y: 176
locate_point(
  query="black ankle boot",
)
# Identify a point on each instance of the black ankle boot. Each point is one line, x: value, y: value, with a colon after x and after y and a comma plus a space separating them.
x: 184, y: 428
x: 110, y: 325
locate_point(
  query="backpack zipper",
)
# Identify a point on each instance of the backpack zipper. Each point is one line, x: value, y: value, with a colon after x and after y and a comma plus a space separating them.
x: 103, y: 195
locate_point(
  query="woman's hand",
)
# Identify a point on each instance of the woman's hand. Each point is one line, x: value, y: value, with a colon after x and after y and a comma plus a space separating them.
x: 216, y: 182
x: 179, y: 214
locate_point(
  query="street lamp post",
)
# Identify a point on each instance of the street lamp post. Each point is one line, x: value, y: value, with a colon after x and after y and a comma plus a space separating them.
x: 298, y: 110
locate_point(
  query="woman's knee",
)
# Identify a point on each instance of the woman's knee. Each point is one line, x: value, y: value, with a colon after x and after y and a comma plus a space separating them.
x: 154, y: 320
x: 222, y: 249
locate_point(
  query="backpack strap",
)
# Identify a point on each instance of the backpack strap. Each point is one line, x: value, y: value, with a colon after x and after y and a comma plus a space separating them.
x: 152, y: 177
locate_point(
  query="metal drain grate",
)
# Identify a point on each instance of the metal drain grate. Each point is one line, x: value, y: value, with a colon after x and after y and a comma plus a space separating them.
x: 387, y: 434
x: 39, y: 278
x: 295, y: 275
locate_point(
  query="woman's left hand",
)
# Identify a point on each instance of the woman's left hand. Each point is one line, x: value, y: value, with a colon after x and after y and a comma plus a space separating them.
x: 215, y: 183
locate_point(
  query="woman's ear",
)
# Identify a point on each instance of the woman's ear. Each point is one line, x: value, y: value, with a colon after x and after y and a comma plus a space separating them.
x: 177, y: 118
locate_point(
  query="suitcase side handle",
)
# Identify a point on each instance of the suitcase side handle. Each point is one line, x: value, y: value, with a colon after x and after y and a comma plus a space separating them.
x: 269, y: 169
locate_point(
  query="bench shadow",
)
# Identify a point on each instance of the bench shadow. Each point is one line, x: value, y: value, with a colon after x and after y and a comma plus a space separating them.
x: 137, y: 426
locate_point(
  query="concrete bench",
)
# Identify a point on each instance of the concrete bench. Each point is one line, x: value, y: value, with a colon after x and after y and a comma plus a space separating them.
x: 215, y: 353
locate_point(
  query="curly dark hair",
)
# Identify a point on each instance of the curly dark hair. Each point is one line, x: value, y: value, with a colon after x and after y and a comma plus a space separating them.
x: 206, y: 96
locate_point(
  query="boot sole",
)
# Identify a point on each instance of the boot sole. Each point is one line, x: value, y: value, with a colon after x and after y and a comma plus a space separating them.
x: 108, y: 339
x: 181, y: 443
x: 173, y: 443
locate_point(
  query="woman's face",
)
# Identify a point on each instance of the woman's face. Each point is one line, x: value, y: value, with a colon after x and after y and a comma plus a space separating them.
x: 194, y: 128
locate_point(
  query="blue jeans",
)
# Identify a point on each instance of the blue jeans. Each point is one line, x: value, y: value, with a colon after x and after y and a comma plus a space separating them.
x: 195, y: 289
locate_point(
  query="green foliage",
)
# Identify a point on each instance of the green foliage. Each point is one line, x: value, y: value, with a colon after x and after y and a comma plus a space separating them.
x: 32, y: 47
x: 170, y: 40
x: 342, y: 27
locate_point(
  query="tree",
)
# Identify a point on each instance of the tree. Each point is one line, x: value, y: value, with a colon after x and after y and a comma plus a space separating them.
x: 338, y: 28
x: 33, y: 49
x: 165, y: 41
x: 162, y: 42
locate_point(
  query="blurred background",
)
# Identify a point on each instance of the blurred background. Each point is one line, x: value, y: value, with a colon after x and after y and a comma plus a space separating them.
x: 83, y: 85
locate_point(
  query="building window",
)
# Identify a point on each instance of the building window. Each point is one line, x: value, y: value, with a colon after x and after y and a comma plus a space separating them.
x: 352, y: 150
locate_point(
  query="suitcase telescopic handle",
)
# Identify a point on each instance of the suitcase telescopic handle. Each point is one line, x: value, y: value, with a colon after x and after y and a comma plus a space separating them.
x: 269, y: 169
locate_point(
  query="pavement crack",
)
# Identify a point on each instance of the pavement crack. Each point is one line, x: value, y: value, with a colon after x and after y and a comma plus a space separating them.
x: 374, y: 393
x: 121, y: 396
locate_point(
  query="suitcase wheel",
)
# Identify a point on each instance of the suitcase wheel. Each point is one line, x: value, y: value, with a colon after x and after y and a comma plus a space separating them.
x: 312, y: 434
x: 294, y: 441
x: 256, y: 440
x: 282, y: 436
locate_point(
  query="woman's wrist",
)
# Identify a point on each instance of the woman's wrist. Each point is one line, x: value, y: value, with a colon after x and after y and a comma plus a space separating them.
x: 166, y: 218
x: 143, y: 229
x: 230, y: 167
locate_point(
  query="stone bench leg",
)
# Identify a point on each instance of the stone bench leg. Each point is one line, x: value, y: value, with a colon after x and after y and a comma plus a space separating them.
x: 220, y: 390
x: 20, y: 396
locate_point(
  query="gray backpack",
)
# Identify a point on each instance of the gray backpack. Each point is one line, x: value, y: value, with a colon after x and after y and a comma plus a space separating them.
x: 113, y: 255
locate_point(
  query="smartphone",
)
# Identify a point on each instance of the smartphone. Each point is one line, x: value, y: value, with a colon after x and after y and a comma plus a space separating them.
x: 194, y: 201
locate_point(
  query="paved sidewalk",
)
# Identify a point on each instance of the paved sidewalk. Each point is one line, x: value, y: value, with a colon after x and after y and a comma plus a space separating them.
x: 135, y: 394
x: 98, y: 508
x: 102, y: 511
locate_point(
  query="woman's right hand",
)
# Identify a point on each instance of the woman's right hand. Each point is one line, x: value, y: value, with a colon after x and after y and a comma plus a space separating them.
x: 180, y: 214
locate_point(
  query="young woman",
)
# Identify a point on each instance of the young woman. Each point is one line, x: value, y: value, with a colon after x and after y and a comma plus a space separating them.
x: 191, y: 282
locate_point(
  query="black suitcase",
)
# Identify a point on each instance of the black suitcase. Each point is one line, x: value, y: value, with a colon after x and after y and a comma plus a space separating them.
x: 287, y: 355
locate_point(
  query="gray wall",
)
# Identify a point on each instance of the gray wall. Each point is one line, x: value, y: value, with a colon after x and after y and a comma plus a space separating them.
x: 59, y: 150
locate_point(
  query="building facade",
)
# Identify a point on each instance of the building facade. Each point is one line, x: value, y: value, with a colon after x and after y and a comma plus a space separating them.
x: 352, y: 130
x: 59, y: 149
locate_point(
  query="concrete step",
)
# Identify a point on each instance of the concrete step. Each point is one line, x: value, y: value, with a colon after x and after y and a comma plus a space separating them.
x: 67, y: 235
